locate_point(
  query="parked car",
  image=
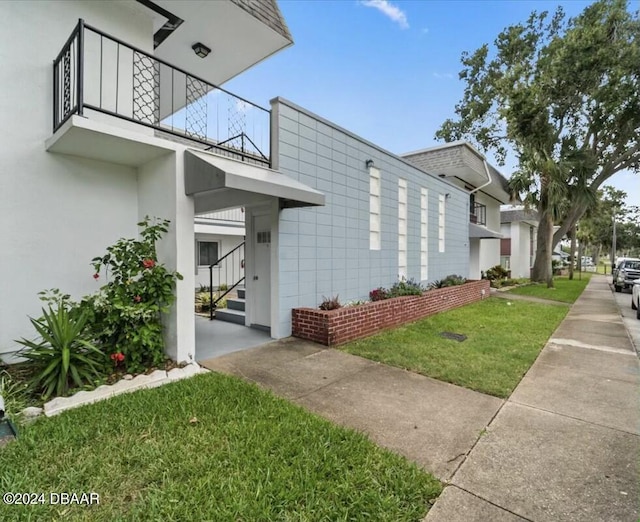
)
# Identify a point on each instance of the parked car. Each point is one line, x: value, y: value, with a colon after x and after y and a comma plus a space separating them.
x: 617, y: 263
x: 635, y: 298
x: 626, y: 273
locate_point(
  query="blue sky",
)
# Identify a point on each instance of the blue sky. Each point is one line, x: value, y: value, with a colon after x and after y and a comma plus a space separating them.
x: 388, y: 70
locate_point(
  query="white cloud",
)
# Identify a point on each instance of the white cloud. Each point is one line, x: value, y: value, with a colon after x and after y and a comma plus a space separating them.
x: 442, y: 76
x: 389, y: 10
x: 425, y: 30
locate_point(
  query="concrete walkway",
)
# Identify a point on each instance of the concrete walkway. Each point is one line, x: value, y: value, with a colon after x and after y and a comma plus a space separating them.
x: 430, y: 422
x: 564, y: 447
x: 533, y: 299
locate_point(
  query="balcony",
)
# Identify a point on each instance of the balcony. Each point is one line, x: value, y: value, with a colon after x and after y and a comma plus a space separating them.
x: 96, y: 75
x: 478, y: 214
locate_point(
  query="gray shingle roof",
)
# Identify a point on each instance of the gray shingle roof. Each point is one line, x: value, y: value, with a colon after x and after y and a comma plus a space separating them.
x: 268, y: 12
x: 509, y: 216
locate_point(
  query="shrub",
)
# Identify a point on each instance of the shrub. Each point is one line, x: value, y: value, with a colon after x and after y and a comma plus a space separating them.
x: 14, y: 394
x: 332, y: 303
x: 125, y: 315
x: 406, y: 287
x: 450, y: 280
x: 62, y: 356
x: 378, y: 294
x: 497, y: 272
x: 203, y: 302
x: 223, y: 287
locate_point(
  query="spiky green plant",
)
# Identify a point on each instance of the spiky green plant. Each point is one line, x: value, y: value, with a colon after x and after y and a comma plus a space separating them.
x: 62, y: 355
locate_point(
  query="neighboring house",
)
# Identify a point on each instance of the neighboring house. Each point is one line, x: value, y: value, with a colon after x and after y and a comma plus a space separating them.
x: 461, y: 164
x: 128, y: 122
x: 560, y: 255
x: 519, y: 227
x: 218, y: 236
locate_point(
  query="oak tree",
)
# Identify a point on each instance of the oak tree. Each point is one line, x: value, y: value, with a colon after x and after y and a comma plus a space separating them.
x: 563, y: 95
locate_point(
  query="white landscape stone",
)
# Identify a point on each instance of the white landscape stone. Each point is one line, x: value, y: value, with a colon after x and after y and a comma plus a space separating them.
x: 153, y: 380
x: 188, y: 371
x: 32, y: 411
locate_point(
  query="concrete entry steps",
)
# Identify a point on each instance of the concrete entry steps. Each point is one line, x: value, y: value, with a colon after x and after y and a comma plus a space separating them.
x: 235, y: 311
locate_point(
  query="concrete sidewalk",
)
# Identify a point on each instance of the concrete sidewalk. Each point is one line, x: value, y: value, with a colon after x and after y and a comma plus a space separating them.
x: 430, y: 422
x: 565, y: 446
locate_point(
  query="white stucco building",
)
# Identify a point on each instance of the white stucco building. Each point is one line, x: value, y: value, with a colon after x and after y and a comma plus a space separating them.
x: 116, y: 113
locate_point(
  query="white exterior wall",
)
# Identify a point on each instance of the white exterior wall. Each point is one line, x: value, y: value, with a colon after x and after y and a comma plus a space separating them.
x: 226, y: 244
x: 161, y: 193
x: 520, y: 249
x: 61, y: 211
x: 489, y: 251
x: 58, y: 211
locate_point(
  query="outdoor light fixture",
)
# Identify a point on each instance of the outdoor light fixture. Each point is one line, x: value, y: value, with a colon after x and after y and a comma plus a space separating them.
x: 369, y: 163
x: 200, y: 49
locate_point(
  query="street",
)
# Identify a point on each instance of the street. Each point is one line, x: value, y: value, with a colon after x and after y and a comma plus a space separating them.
x: 623, y: 300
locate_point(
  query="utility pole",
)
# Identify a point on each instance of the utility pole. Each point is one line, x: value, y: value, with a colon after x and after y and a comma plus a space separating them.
x: 613, y: 244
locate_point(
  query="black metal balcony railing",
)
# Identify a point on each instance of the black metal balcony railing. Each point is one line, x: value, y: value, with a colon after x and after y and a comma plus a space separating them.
x: 478, y: 214
x: 98, y: 72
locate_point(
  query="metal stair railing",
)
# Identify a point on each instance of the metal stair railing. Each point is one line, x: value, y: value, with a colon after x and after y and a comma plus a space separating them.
x: 231, y: 267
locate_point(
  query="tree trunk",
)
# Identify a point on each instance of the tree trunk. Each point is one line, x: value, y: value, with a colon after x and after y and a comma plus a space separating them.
x: 576, y: 211
x: 542, y: 271
x: 572, y: 253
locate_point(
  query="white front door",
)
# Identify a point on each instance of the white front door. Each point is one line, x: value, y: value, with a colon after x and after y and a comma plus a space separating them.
x: 261, y: 284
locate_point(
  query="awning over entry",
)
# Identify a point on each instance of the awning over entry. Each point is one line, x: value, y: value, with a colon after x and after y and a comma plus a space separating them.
x: 225, y: 183
x: 480, y: 232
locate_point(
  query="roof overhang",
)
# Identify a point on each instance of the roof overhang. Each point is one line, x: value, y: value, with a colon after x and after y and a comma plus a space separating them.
x: 238, y: 40
x: 480, y: 232
x: 219, y: 183
x: 461, y: 161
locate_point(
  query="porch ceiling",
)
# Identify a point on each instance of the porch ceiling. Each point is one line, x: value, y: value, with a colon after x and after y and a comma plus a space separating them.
x: 218, y: 183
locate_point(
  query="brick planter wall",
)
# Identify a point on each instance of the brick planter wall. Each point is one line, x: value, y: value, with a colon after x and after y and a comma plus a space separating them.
x: 339, y: 326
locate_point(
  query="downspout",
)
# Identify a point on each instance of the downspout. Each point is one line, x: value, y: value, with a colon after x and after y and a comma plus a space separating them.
x: 486, y: 169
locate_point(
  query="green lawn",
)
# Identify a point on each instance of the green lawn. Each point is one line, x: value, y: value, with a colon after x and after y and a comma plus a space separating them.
x: 503, y: 340
x: 564, y: 289
x: 209, y: 448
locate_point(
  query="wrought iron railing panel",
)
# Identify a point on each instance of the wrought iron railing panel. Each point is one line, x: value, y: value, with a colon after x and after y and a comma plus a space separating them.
x: 98, y: 72
x: 478, y: 214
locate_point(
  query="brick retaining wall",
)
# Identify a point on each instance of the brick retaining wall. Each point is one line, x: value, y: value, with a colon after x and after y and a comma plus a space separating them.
x: 339, y: 326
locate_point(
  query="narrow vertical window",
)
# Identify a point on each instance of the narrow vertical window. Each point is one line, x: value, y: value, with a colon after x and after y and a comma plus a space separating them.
x: 402, y: 228
x: 441, y: 222
x: 424, y: 235
x: 374, y: 208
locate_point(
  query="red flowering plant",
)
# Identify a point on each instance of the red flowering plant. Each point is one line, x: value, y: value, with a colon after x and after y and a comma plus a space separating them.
x: 126, y: 312
x: 378, y: 294
x: 117, y: 358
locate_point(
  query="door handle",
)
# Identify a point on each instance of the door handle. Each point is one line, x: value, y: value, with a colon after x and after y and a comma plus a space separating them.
x: 255, y: 278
